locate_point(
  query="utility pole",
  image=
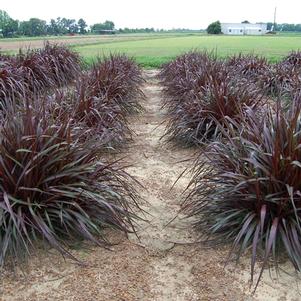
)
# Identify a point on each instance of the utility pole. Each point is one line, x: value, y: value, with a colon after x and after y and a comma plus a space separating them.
x: 275, y: 19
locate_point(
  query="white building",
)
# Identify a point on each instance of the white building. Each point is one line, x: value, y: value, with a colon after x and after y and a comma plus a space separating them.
x: 244, y: 28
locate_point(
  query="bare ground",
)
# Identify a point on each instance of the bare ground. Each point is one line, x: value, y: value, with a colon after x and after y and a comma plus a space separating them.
x: 158, y: 266
x: 15, y: 45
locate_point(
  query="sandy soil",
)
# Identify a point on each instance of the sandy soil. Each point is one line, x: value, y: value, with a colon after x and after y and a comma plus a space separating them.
x: 159, y: 266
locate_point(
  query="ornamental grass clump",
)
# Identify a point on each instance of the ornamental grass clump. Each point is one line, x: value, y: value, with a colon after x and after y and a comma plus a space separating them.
x: 188, y: 73
x: 101, y: 101
x: 284, y: 77
x: 4, y: 59
x: 103, y: 119
x: 55, y: 189
x: 280, y: 79
x: 197, y: 101
x: 93, y: 118
x: 51, y: 66
x: 246, y: 188
x: 12, y: 85
x: 293, y: 59
x: 36, y: 75
x: 64, y: 65
x: 35, y: 71
x: 249, y: 66
x: 118, y: 79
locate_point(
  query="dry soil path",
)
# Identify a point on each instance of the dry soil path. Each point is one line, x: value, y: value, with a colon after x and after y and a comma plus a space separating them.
x: 154, y: 268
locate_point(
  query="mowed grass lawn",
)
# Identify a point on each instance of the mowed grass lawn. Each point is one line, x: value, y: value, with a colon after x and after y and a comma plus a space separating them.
x: 154, y: 52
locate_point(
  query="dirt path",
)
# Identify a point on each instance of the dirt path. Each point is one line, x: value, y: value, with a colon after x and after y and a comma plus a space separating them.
x: 154, y: 268
x: 173, y: 268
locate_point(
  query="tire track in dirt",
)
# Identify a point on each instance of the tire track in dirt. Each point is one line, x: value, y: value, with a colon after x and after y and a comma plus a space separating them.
x: 157, y: 167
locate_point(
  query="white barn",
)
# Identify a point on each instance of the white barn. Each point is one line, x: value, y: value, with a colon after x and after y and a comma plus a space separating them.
x: 244, y: 28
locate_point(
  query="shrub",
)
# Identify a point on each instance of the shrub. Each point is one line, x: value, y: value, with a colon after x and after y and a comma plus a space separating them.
x: 214, y: 28
x: 246, y: 187
x: 55, y: 189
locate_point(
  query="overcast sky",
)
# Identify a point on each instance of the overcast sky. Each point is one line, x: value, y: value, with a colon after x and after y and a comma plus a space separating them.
x: 194, y: 14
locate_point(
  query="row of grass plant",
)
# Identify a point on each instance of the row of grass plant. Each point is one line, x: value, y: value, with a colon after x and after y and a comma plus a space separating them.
x: 246, y: 117
x: 56, y: 184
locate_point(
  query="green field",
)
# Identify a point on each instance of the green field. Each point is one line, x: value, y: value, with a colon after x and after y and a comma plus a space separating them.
x: 153, y: 52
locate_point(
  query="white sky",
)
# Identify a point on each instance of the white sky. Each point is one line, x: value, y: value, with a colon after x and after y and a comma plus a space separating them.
x: 194, y: 14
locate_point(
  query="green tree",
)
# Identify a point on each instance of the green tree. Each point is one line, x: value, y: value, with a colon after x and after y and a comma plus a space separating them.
x: 73, y: 26
x: 214, y: 28
x: 108, y: 25
x: 69, y: 25
x: 82, y: 25
x: 270, y: 25
x: 61, y: 25
x: 298, y: 27
x: 53, y: 28
x: 33, y: 27
x: 4, y: 18
x: 288, y: 27
x: 10, y: 29
x: 8, y: 26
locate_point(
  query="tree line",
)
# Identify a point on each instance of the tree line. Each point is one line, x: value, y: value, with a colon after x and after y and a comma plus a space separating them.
x: 284, y: 27
x: 64, y: 26
x: 38, y: 27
